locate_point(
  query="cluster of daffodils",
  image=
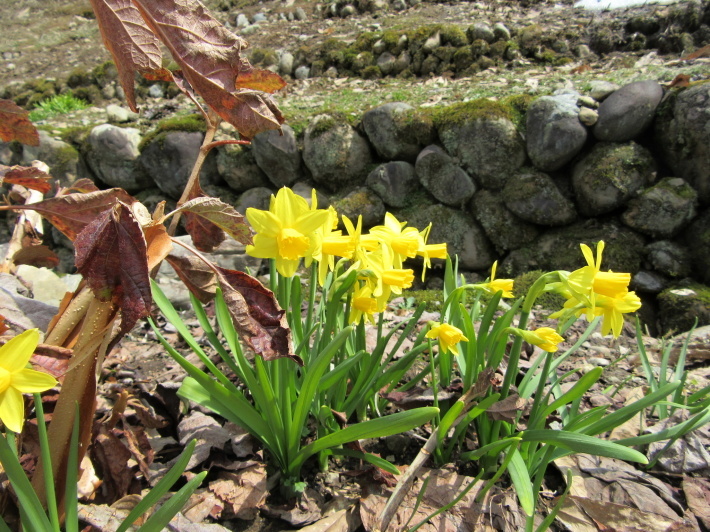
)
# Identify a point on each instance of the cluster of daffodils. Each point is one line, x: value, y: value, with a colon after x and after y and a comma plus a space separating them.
x: 592, y: 292
x: 292, y: 230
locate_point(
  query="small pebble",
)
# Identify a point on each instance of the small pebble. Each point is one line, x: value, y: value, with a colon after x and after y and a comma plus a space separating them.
x: 588, y: 116
x: 332, y: 478
x: 598, y: 361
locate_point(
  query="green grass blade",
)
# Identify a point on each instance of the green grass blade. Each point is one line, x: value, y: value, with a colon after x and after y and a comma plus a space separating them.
x: 161, y: 488
x: 368, y: 457
x: 521, y: 482
x: 491, y: 448
x: 583, y: 443
x: 157, y: 521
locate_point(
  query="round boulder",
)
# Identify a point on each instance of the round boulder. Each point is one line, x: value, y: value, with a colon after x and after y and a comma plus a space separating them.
x: 682, y: 133
x: 663, y: 209
x: 62, y: 158
x: 482, y: 136
x: 361, y: 202
x: 444, y: 180
x: 504, y: 229
x: 112, y: 155
x: 277, y: 155
x: 533, y: 196
x: 335, y: 153
x: 669, y: 258
x: 611, y: 174
x: 394, y: 182
x: 628, y: 112
x: 236, y: 165
x: 396, y: 132
x: 554, y: 132
x: 169, y: 159
x: 697, y: 238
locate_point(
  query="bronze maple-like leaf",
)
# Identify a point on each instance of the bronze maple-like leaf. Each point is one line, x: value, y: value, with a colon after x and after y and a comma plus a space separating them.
x: 27, y: 176
x: 199, y: 278
x: 132, y: 44
x: 256, y: 315
x: 71, y: 213
x: 15, y: 124
x: 111, y: 254
x: 205, y: 211
x: 206, y: 236
x: 211, y: 62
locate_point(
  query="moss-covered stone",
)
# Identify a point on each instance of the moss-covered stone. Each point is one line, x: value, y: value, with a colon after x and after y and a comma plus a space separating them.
x: 76, y: 136
x: 518, y: 105
x: 365, y: 41
x: 432, y: 299
x: 371, y: 72
x: 453, y: 35
x: 681, y: 304
x: 479, y: 47
x: 191, y: 122
x: 497, y: 50
x: 264, y: 57
x: 327, y: 122
x: 90, y: 93
x: 460, y: 113
x: 444, y: 53
x: 547, y: 300
x: 79, y: 77
x: 463, y: 57
x: 105, y: 73
x: 362, y: 61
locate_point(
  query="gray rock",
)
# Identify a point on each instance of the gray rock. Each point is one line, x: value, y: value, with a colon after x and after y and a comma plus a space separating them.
x: 628, y: 112
x: 404, y: 61
x: 601, y: 89
x: 444, y: 180
x: 331, y: 73
x: 386, y: 61
x: 169, y: 159
x: 648, y: 282
x: 399, y: 5
x: 361, y: 202
x: 394, y: 182
x: 588, y: 116
x: 286, y: 63
x: 489, y: 147
x: 278, y: 156
x: 257, y: 197
x: 259, y: 17
x: 611, y: 174
x: 459, y: 230
x: 300, y: 14
x: 20, y: 310
x: 533, y: 196
x: 302, y: 72
x: 237, y: 166
x: 432, y: 43
x: 379, y: 47
x: 348, y: 11
x: 117, y: 114
x: 242, y: 21
x: 396, y: 132
x: 481, y: 30
x: 335, y: 153
x: 682, y: 306
x: 112, y: 156
x: 62, y: 158
x: 662, y: 210
x: 682, y: 135
x: 501, y: 32
x: 697, y: 238
x: 155, y: 91
x: 554, y: 132
x: 504, y: 229
x: 7, y: 155
x: 669, y: 258
x: 305, y: 190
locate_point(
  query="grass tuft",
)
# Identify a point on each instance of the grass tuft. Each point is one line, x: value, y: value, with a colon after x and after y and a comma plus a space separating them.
x: 57, y: 105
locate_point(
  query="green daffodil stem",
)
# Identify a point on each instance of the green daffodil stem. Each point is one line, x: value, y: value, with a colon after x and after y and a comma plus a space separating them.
x: 47, y: 461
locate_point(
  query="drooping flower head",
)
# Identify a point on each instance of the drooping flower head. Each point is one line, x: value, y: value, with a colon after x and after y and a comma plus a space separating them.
x: 403, y: 241
x: 545, y: 338
x: 287, y: 232
x: 16, y: 379
x: 493, y: 286
x: 449, y: 336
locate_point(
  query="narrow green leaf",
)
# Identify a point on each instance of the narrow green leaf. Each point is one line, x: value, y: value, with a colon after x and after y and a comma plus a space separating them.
x: 492, y: 448
x: 521, y: 481
x: 583, y: 443
x: 367, y: 457
x: 162, y: 516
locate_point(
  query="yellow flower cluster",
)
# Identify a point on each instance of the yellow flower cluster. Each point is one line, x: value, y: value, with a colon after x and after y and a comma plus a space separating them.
x: 592, y: 292
x: 292, y: 230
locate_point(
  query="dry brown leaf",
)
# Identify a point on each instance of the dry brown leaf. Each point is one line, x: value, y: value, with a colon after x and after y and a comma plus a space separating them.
x: 220, y: 214
x: 206, y: 235
x: 508, y: 409
x: 242, y: 492
x: 299, y: 512
x: 346, y: 520
x: 15, y: 124
x: 27, y: 176
x: 697, y: 494
x: 112, y: 456
x: 38, y: 256
x: 132, y: 44
x: 199, y: 278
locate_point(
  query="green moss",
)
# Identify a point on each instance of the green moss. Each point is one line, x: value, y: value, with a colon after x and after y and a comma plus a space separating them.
x: 547, y: 300
x: 678, y: 312
x: 453, y: 35
x: 461, y: 113
x: 90, y: 93
x: 105, y: 73
x: 371, y: 72
x: 463, y: 57
x: 191, y: 122
x: 76, y: 136
x: 444, y: 53
x: 264, y: 57
x: 518, y: 105
x: 419, y: 36
x: 498, y: 48
x: 79, y: 78
x: 66, y: 158
x: 362, y: 61
x: 365, y: 41
x: 391, y: 39
x: 432, y: 299
x: 327, y: 122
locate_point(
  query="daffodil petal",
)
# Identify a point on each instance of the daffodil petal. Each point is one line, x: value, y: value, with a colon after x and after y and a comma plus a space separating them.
x: 16, y: 353
x: 263, y: 222
x: 265, y: 247
x: 31, y: 381
x: 12, y: 409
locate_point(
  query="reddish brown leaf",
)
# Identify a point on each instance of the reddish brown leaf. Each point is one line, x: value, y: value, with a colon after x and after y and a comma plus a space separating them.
x: 111, y: 254
x: 158, y: 243
x: 3, y: 325
x: 38, y: 256
x: 260, y: 80
x: 257, y: 315
x: 132, y: 44
x: 220, y: 214
x: 206, y: 236
x: 211, y: 61
x: 162, y: 74
x: 111, y: 457
x: 52, y: 359
x: 680, y: 81
x: 27, y: 176
x: 72, y: 212
x: 80, y: 185
x: 15, y: 124
x: 199, y: 278
x: 697, y: 54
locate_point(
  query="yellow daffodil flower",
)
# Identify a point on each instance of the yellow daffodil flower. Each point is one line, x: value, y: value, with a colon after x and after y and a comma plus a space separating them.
x: 403, y: 241
x: 545, y: 338
x: 334, y: 244
x: 496, y: 285
x: 16, y: 379
x: 613, y: 309
x: 429, y: 251
x: 590, y: 280
x: 362, y: 305
x: 287, y: 232
x: 448, y: 336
